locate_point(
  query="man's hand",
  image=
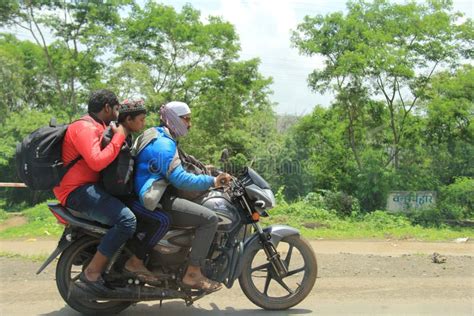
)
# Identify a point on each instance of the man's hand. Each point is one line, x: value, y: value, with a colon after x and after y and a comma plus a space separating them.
x: 222, y: 180
x: 119, y: 129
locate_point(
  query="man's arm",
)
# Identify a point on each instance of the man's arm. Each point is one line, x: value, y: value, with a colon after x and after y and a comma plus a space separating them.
x: 172, y: 170
x: 183, y: 180
x: 87, y: 143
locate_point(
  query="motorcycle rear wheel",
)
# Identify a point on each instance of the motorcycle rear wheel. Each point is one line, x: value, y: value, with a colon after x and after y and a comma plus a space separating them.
x: 72, y: 261
x: 251, y: 272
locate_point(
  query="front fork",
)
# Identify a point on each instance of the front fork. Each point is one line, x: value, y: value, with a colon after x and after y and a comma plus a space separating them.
x: 272, y: 254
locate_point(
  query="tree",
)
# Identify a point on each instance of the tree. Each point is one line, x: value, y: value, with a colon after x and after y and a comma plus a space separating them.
x: 450, y: 134
x: 165, y: 46
x: 166, y: 55
x: 387, y: 51
x: 79, y: 29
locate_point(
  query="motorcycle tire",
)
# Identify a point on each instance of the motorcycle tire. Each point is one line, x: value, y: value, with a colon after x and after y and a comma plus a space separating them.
x: 281, y: 303
x: 85, y: 245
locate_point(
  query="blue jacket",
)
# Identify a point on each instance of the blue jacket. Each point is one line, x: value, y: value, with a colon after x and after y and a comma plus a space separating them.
x: 158, y: 160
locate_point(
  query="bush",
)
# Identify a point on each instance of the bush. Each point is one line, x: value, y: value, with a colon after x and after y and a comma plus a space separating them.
x: 427, y: 217
x: 342, y: 203
x: 384, y: 220
x: 457, y: 199
x: 280, y: 196
x: 315, y: 199
x: 300, y: 211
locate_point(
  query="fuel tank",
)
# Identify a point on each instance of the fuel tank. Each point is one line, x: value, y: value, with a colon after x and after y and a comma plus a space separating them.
x: 228, y: 214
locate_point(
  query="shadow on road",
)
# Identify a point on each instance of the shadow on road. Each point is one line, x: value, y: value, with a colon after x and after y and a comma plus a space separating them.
x: 178, y: 308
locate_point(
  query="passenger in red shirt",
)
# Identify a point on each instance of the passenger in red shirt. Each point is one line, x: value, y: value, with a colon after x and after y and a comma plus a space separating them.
x: 79, y: 188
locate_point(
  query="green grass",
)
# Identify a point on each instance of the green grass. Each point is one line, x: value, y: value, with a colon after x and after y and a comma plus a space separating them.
x: 3, y: 215
x: 41, y: 223
x: 34, y: 258
x: 376, y: 225
x: 323, y: 224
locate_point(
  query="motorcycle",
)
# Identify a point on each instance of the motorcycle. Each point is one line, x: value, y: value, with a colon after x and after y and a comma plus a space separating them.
x: 275, y: 266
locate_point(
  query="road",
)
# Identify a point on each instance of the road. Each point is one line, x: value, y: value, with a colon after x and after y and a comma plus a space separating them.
x: 355, y: 278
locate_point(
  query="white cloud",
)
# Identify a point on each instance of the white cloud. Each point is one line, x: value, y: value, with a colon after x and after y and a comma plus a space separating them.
x: 265, y: 27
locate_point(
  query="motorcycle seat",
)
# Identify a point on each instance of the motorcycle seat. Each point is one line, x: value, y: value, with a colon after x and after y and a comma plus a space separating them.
x: 76, y: 218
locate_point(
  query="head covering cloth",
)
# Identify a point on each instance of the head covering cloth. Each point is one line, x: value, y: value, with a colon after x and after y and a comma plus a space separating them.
x: 170, y: 115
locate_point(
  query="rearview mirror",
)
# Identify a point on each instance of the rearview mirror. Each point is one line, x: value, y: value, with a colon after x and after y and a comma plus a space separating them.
x: 224, y: 155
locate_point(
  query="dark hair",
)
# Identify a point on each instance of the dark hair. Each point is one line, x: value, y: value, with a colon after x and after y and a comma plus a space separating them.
x: 123, y: 116
x: 99, y: 98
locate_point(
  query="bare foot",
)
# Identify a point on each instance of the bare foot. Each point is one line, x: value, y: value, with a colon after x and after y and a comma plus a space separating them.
x: 135, y: 266
x: 200, y: 282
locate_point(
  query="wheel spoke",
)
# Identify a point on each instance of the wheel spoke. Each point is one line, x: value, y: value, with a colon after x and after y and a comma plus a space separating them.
x: 283, y: 284
x: 267, y: 283
x: 74, y: 279
x: 288, y: 256
x: 294, y: 272
x: 260, y: 267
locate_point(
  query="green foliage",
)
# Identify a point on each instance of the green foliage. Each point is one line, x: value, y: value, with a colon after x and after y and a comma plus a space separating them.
x: 427, y: 217
x: 450, y: 134
x: 3, y: 215
x: 280, y: 197
x: 158, y: 53
x: 35, y: 258
x: 312, y: 221
x: 381, y: 61
x: 16, y: 127
x: 41, y: 223
x: 342, y: 203
x: 457, y: 199
x: 316, y: 222
x: 295, y: 213
x: 383, y: 220
x: 396, y: 123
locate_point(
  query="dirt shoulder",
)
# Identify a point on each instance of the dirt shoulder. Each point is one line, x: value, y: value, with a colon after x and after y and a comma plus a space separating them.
x: 347, y: 284
x: 363, y: 247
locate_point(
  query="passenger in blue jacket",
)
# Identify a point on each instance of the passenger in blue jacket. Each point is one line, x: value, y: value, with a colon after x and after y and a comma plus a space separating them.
x: 157, y: 166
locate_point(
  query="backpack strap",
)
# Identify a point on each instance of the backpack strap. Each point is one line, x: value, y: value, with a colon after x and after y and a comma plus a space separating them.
x: 143, y: 140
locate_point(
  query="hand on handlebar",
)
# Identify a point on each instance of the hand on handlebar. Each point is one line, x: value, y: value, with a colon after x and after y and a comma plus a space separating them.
x: 222, y: 180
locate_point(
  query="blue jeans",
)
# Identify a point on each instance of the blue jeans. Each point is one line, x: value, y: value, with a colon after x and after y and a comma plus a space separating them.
x: 92, y: 201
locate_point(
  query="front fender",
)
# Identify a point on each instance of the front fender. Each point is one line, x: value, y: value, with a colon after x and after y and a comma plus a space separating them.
x: 277, y: 233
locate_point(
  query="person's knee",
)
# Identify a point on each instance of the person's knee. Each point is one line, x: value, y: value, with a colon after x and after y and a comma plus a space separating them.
x: 128, y: 223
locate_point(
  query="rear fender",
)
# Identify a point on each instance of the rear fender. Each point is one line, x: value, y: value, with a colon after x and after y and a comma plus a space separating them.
x: 63, y: 244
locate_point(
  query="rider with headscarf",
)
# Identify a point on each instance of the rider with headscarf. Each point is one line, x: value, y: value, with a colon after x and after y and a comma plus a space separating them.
x: 158, y: 165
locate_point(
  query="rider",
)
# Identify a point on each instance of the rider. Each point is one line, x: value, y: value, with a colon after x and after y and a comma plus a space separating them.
x: 151, y: 226
x: 79, y: 188
x: 157, y: 165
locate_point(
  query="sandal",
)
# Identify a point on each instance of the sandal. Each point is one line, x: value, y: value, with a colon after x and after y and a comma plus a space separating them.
x: 204, y: 284
x: 143, y: 276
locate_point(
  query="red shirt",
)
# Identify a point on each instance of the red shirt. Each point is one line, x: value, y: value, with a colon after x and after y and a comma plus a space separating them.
x: 83, y: 139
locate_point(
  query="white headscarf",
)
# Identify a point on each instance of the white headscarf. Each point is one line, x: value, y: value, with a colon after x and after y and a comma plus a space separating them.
x: 170, y: 115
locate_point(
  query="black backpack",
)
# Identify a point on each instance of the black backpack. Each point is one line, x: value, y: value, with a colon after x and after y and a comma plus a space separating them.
x: 38, y: 157
x: 117, y: 177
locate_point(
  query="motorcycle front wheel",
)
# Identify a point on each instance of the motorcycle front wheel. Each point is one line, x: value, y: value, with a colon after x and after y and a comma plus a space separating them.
x: 262, y: 285
x: 71, y: 263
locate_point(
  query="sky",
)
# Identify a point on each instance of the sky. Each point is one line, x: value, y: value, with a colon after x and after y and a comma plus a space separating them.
x: 264, y: 28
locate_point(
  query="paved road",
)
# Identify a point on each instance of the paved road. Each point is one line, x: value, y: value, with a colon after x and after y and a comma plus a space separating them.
x: 355, y: 278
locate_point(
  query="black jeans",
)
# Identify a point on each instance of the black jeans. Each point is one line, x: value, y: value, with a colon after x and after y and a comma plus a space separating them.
x: 185, y: 213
